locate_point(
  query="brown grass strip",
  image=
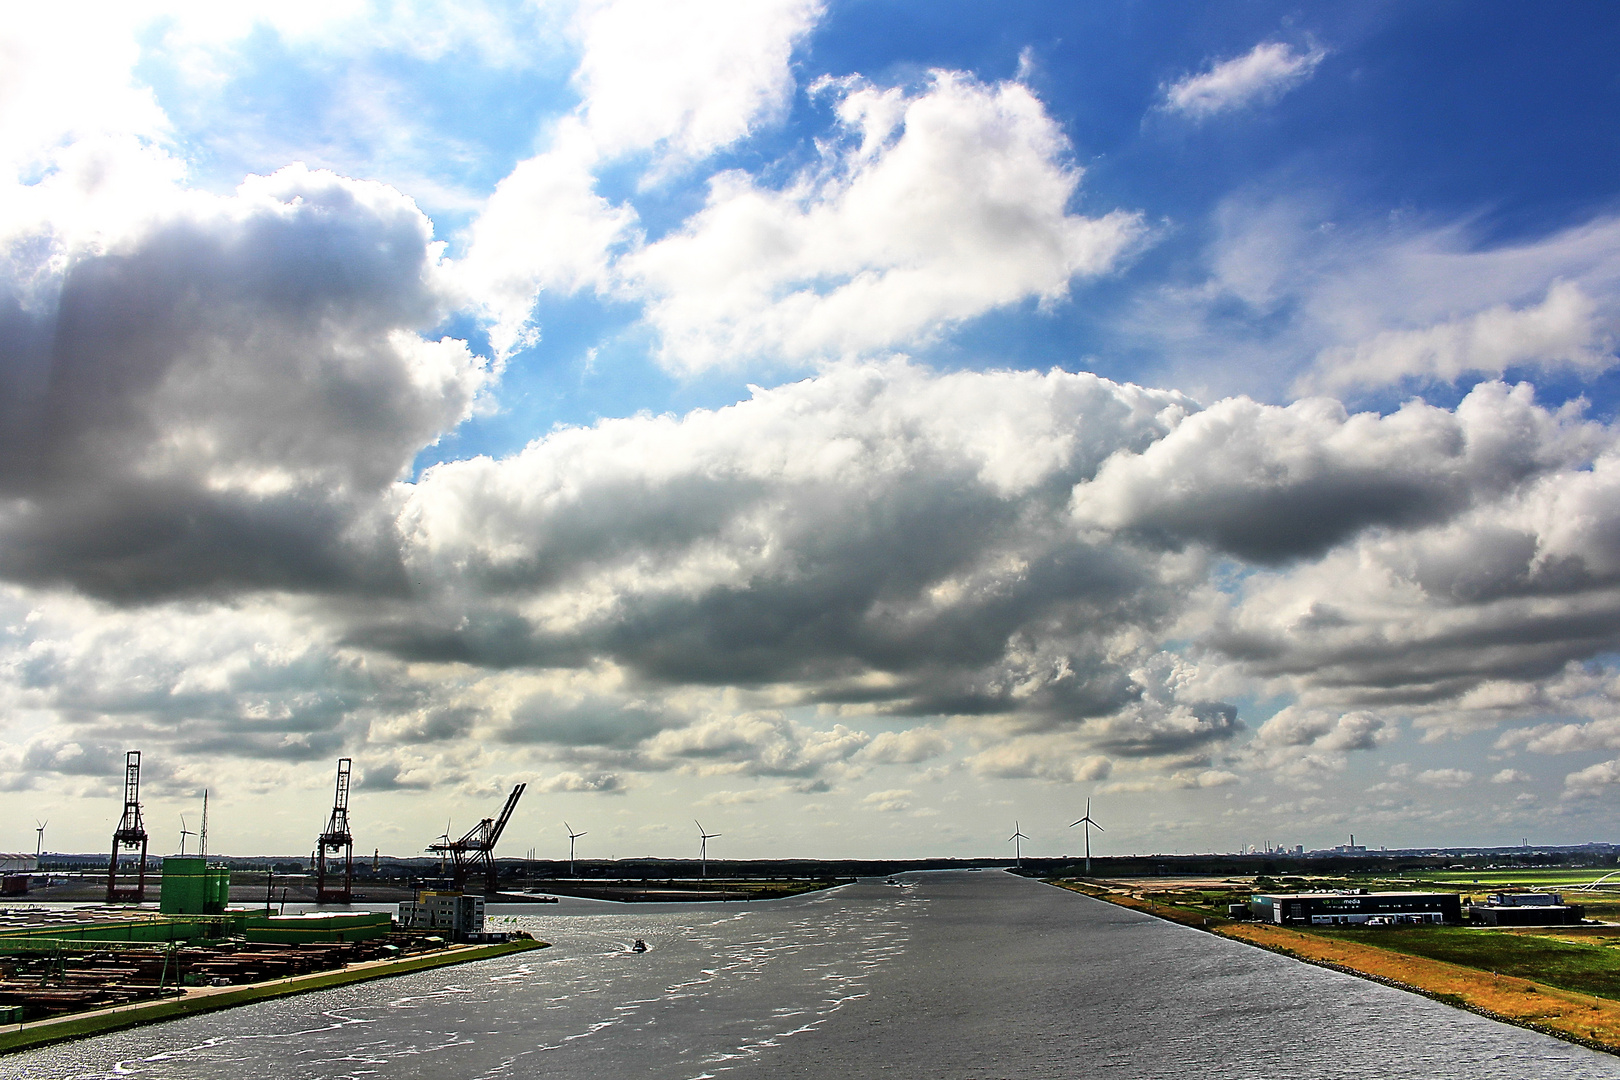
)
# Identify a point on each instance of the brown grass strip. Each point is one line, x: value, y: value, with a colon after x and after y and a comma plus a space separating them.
x: 1590, y: 1020
x: 1582, y: 1018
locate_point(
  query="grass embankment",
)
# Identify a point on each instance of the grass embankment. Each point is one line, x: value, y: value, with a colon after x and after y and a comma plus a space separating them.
x: 1562, y: 981
x: 1533, y: 1003
x: 1591, y: 966
x: 209, y: 999
x: 1181, y: 913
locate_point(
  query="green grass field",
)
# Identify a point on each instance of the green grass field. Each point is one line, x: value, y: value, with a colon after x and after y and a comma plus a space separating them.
x: 1588, y: 969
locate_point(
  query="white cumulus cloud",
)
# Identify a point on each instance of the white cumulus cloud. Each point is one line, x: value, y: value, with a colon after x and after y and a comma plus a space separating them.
x: 689, y: 76
x: 1594, y: 779
x: 1445, y: 778
x: 934, y: 208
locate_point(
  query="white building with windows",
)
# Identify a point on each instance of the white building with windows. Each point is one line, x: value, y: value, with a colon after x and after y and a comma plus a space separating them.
x: 459, y: 915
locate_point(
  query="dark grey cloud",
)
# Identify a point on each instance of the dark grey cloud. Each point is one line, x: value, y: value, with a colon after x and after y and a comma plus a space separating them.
x: 1270, y: 484
x: 220, y: 403
x: 542, y: 718
x: 1011, y: 546
x: 1512, y: 591
x: 1159, y: 730
x: 385, y: 776
x: 874, y: 520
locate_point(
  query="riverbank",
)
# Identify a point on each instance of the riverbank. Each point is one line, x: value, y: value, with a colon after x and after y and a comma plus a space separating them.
x: 211, y: 998
x: 1584, y: 1018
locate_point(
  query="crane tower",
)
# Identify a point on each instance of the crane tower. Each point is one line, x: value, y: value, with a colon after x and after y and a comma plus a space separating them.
x: 128, y: 840
x: 334, y: 840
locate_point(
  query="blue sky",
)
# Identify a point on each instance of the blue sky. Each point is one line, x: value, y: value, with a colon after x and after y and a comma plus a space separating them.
x: 1494, y: 119
x: 854, y: 418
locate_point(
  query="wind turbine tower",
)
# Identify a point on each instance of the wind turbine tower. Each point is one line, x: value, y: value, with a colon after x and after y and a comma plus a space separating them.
x: 39, y: 841
x: 442, y: 845
x: 1089, y: 824
x: 184, y: 832
x: 1018, y: 839
x: 572, y: 836
x: 703, y: 849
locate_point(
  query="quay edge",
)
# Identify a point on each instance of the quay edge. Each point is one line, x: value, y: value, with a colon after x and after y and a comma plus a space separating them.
x: 209, y: 999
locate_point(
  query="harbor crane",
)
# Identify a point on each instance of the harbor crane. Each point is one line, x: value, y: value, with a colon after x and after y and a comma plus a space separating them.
x: 128, y: 840
x: 335, y: 840
x: 477, y: 847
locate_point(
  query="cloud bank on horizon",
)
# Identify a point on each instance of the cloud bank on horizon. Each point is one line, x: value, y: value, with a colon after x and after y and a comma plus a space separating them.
x: 768, y: 406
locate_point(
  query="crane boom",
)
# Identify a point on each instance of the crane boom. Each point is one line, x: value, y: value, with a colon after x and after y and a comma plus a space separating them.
x: 476, y: 847
x: 506, y: 815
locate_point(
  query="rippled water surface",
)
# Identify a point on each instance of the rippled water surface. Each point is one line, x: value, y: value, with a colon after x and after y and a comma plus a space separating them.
x: 948, y: 975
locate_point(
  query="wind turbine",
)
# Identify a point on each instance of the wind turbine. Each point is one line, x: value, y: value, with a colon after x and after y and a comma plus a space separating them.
x: 703, y: 849
x: 184, y: 832
x: 1018, y: 839
x: 572, y: 836
x: 1088, y: 823
x: 39, y: 842
x: 444, y: 846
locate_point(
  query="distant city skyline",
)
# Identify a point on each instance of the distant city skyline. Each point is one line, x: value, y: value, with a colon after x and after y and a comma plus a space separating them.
x: 845, y: 424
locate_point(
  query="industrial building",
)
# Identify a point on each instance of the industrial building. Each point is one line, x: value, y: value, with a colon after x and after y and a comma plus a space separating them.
x: 192, y: 887
x: 1525, y: 909
x: 1356, y: 908
x: 14, y: 871
x: 459, y: 915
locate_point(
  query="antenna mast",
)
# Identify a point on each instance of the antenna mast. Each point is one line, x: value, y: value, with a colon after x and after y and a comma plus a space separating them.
x: 128, y: 839
x: 202, y: 835
x: 337, y: 838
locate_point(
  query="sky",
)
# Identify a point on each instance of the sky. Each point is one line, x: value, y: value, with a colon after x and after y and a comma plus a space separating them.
x: 858, y: 425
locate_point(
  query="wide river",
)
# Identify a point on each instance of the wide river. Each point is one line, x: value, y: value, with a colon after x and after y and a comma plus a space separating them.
x: 958, y: 974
